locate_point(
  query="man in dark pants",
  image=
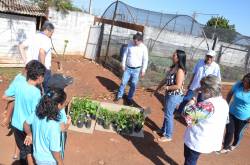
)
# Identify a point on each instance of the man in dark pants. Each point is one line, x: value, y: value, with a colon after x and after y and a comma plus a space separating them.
x: 39, y: 48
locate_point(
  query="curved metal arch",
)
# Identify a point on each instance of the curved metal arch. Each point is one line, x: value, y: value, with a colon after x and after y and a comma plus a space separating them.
x: 151, y: 48
x: 128, y: 10
x: 107, y: 10
x: 121, y: 3
x: 233, y: 43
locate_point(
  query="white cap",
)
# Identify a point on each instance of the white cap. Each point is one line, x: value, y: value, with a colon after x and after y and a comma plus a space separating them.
x: 211, y: 53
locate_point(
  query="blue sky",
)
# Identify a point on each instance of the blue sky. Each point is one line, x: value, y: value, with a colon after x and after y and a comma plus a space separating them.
x: 236, y: 11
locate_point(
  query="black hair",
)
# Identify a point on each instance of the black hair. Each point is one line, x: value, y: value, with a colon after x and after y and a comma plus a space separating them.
x: 138, y: 37
x: 48, y: 105
x: 35, y: 69
x: 246, y: 78
x: 181, y: 59
x: 47, y: 26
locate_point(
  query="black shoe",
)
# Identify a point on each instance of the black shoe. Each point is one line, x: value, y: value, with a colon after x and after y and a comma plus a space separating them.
x: 117, y: 99
x: 129, y: 102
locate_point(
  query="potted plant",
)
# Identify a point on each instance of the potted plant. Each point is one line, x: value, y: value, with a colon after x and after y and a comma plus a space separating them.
x: 80, y: 121
x: 138, y: 121
x: 88, y: 121
x: 108, y: 117
x: 101, y: 115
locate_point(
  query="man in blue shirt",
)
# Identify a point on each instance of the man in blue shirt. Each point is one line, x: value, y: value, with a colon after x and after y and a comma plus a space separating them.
x: 203, y: 68
x: 26, y: 96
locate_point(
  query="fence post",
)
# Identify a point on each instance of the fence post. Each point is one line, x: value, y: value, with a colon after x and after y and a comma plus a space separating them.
x: 111, y: 29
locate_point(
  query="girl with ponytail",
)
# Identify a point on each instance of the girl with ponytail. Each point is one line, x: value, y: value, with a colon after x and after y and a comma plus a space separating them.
x: 46, y: 128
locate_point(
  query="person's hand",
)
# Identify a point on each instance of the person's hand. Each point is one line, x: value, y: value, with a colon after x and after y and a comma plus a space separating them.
x: 192, y: 101
x: 142, y: 74
x: 68, y: 120
x: 28, y: 140
x: 123, y: 68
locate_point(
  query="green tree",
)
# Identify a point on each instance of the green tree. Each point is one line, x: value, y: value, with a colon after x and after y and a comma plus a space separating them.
x: 220, y: 27
x: 60, y: 5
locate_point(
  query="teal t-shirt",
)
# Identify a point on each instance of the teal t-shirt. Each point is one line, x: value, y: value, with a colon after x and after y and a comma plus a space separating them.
x: 240, y: 106
x: 46, y: 138
x: 26, y: 96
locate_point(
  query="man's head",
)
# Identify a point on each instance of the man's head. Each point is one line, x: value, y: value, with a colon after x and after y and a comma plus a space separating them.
x: 137, y: 38
x: 48, y: 28
x: 210, y: 56
x: 35, y: 71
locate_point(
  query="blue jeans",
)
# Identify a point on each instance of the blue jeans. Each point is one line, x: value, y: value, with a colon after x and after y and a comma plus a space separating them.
x: 134, y: 75
x: 191, y: 156
x: 171, y: 101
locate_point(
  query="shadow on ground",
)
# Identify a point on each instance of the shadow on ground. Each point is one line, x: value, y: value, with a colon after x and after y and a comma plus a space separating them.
x: 110, y: 85
x: 150, y: 149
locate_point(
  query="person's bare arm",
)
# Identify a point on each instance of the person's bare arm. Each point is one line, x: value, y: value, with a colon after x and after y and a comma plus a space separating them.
x: 65, y: 127
x: 42, y: 55
x: 27, y: 130
x: 180, y: 76
x: 229, y: 96
x: 8, y: 114
x: 57, y: 157
x: 8, y: 98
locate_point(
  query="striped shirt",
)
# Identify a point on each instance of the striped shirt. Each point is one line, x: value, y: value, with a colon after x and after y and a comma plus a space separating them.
x: 171, y: 80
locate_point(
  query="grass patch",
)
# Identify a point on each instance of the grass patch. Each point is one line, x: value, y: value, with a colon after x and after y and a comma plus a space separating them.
x: 9, y: 73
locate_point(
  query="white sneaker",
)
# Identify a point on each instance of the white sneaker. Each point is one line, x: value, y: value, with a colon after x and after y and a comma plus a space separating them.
x: 223, y: 151
x: 232, y: 148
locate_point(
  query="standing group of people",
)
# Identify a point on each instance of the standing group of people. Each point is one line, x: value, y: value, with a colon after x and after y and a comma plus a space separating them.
x: 203, y: 108
x: 39, y: 120
x: 35, y: 109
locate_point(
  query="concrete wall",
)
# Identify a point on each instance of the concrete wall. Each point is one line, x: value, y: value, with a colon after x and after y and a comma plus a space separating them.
x: 13, y: 30
x: 73, y: 27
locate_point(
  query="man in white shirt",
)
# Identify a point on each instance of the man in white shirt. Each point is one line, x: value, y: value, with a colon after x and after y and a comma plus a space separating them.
x: 203, y: 68
x: 134, y: 63
x: 39, y: 48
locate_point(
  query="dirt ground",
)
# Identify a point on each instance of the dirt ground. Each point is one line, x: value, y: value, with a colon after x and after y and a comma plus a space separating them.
x: 101, y: 148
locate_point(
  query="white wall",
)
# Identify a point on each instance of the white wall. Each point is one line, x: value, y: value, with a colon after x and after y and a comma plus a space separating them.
x: 73, y: 27
x: 13, y: 30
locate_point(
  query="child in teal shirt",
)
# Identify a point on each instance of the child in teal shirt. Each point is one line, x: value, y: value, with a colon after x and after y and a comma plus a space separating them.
x: 46, y: 128
x: 26, y: 96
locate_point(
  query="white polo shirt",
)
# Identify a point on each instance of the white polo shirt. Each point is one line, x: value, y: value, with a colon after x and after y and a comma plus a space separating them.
x: 202, y: 70
x: 34, y: 44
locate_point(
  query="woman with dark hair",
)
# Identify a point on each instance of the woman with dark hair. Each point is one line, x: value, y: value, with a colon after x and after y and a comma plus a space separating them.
x: 239, y: 113
x: 46, y: 130
x: 205, y: 120
x: 174, y: 84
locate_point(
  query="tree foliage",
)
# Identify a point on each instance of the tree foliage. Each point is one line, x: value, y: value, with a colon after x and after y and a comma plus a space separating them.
x: 60, y: 5
x: 220, y: 27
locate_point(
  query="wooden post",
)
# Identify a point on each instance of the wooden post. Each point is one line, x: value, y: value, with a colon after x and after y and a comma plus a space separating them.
x: 110, y: 33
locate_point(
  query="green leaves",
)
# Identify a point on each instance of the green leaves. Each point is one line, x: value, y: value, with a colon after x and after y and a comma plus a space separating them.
x: 82, y: 106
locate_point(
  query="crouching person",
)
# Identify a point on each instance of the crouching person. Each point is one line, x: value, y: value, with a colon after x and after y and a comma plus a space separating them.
x: 46, y: 128
x: 206, y: 121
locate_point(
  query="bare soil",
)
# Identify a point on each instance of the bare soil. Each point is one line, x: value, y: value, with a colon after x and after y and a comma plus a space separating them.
x: 91, y: 79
